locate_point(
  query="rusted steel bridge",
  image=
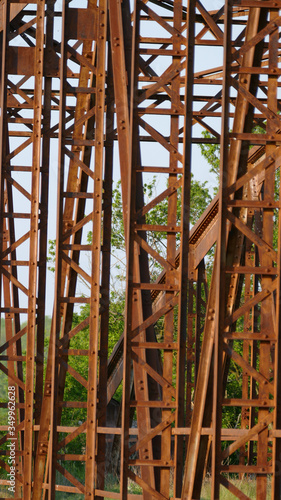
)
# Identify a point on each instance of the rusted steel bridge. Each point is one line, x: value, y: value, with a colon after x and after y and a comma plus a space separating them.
x: 80, y: 80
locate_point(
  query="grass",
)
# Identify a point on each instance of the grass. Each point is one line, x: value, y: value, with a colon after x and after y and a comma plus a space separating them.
x: 246, y: 485
x: 112, y: 484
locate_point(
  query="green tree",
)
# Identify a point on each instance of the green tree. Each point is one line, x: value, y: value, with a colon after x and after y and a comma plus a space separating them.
x: 200, y: 198
x: 74, y: 391
x: 211, y: 153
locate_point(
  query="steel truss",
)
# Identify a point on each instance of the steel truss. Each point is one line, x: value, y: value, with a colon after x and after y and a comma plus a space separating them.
x: 77, y: 80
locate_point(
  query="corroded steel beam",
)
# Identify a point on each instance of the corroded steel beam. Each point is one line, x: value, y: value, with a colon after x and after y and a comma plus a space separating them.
x: 116, y: 76
x: 21, y: 293
x: 225, y: 306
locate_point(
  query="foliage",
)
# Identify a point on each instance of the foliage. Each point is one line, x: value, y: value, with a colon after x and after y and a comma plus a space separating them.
x: 231, y: 415
x: 211, y: 153
x: 199, y: 199
x: 74, y: 391
x: 247, y: 485
x: 52, y: 255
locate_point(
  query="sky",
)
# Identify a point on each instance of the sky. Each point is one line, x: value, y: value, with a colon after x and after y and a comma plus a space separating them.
x: 203, y: 59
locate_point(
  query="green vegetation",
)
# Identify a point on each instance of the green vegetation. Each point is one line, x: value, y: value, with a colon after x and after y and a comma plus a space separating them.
x: 246, y: 485
x: 74, y: 390
x: 200, y: 198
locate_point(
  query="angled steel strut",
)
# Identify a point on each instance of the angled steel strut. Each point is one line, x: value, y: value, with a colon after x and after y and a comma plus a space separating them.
x: 99, y: 89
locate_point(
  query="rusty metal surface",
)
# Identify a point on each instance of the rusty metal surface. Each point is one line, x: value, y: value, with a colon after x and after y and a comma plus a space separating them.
x: 110, y: 73
x: 226, y: 309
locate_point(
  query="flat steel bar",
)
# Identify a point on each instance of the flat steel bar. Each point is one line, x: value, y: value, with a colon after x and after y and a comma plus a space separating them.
x: 105, y: 285
x: 96, y: 255
x: 268, y: 214
x: 184, y: 249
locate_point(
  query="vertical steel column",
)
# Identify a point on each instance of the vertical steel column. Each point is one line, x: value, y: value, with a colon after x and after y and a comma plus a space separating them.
x: 228, y: 317
x: 21, y: 292
x: 276, y: 451
x: 184, y: 244
x: 4, y: 234
x: 3, y: 117
x: 12, y: 304
x: 71, y: 219
x: 267, y: 306
x: 44, y: 206
x: 237, y: 160
x: 121, y: 79
x: 127, y: 355
x: 51, y: 383
x: 105, y: 279
x: 221, y: 256
x: 170, y: 274
x: 34, y: 237
x: 142, y: 303
x: 139, y: 283
x: 91, y: 429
